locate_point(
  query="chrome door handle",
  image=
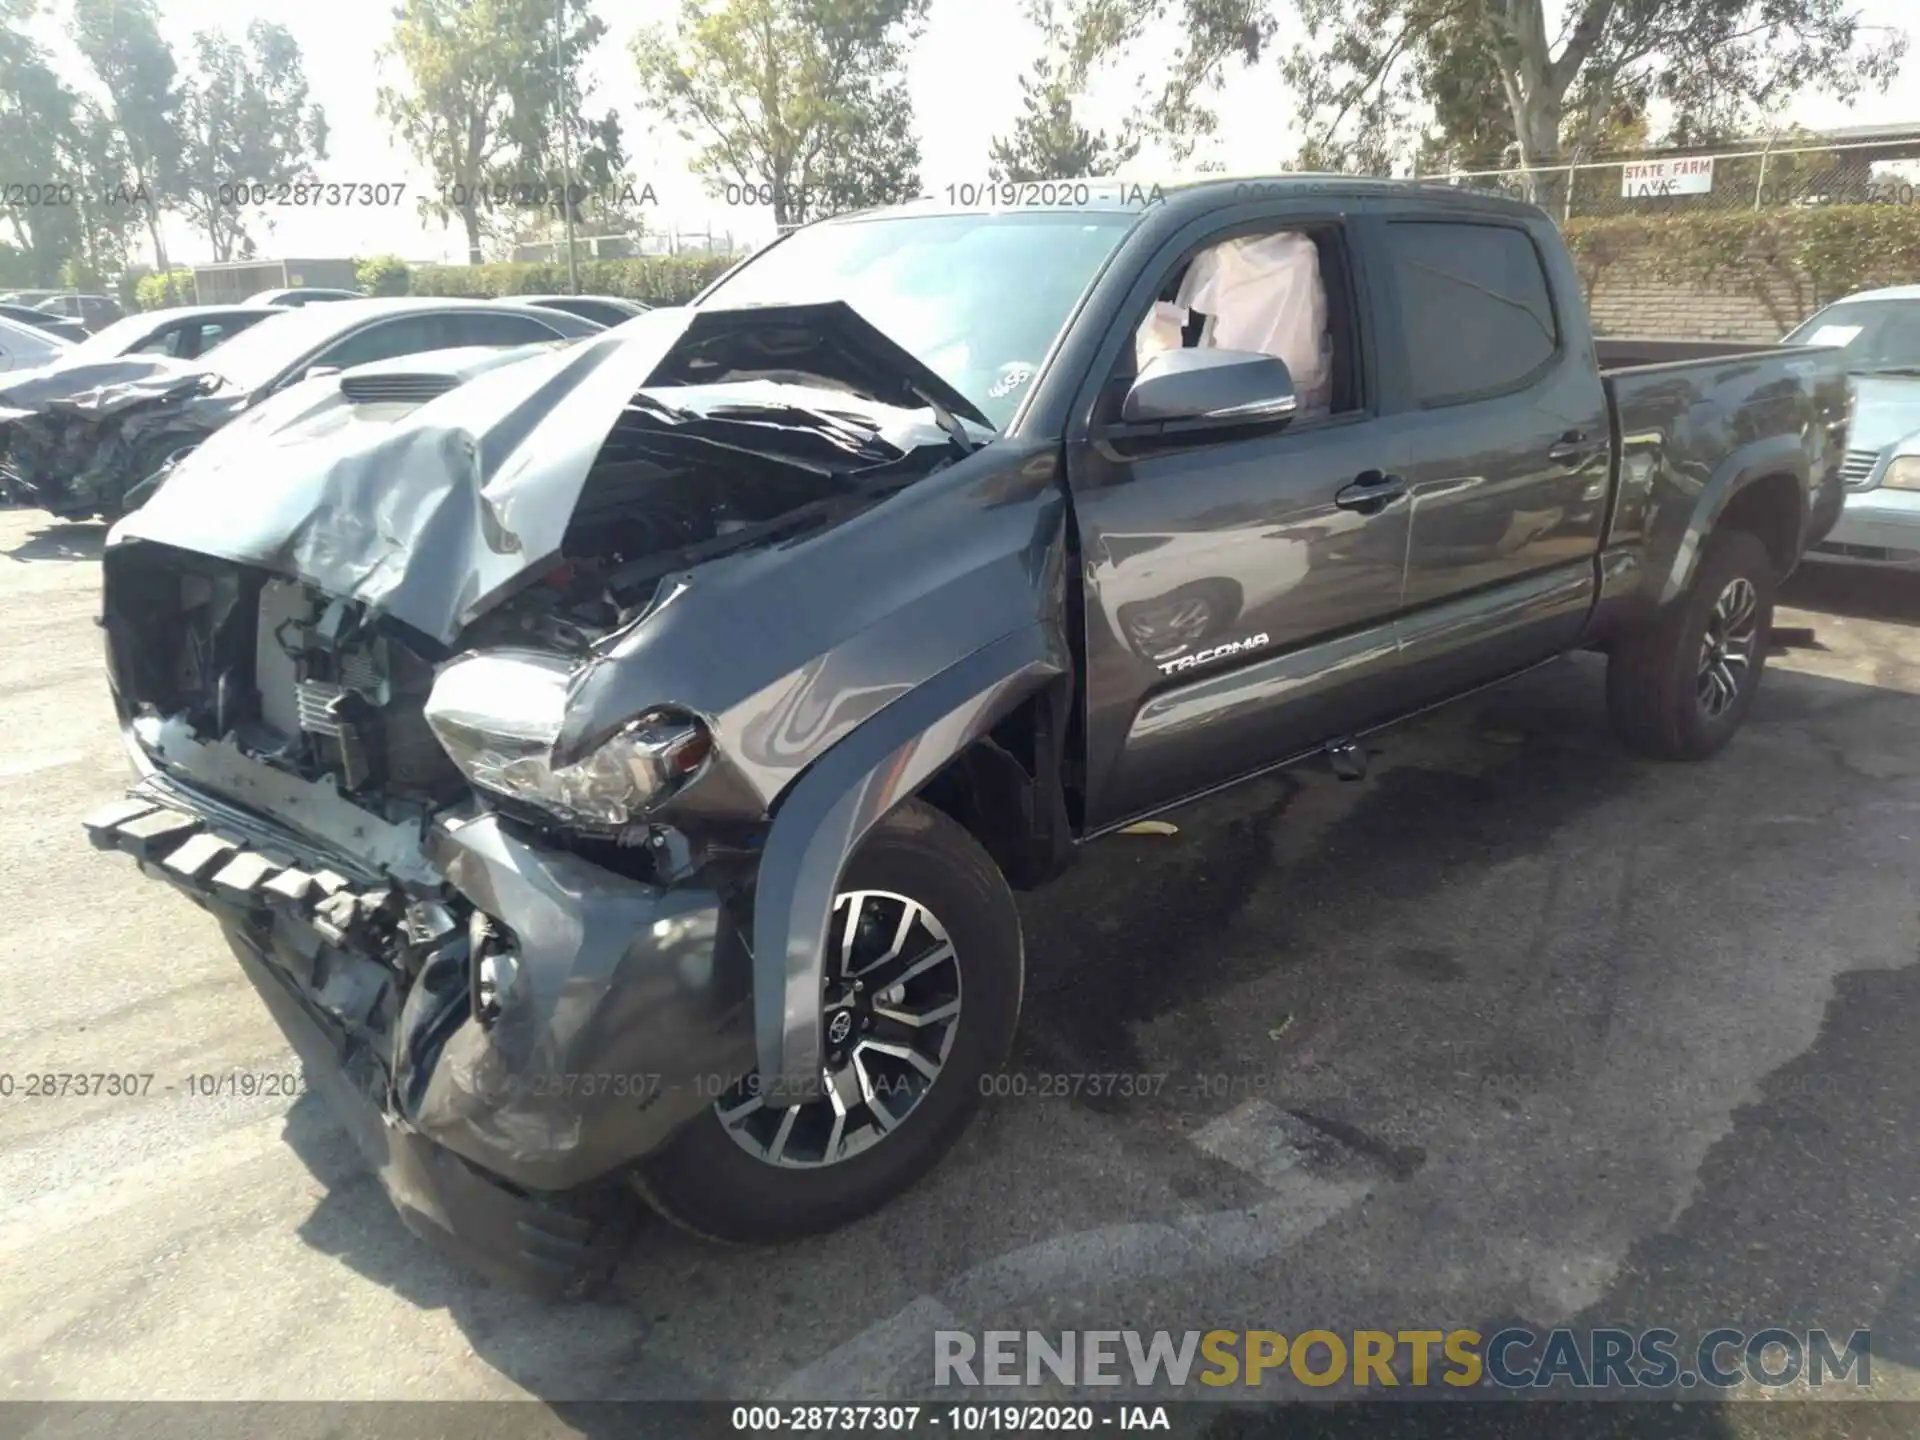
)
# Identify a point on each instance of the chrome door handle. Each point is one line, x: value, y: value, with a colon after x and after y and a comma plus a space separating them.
x: 1371, y: 492
x: 1573, y: 450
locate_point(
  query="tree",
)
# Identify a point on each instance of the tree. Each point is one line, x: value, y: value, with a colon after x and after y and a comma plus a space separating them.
x: 108, y: 210
x: 58, y: 139
x: 1048, y: 142
x: 490, y: 95
x: 121, y: 42
x: 803, y: 101
x: 1361, y: 71
x: 36, y: 134
x: 245, y: 120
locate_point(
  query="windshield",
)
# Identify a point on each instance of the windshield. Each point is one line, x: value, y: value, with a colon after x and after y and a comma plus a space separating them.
x: 258, y: 354
x: 978, y: 298
x: 1878, y: 336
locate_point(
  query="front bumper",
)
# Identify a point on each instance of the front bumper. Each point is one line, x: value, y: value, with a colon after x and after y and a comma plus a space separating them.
x: 1876, y: 527
x: 621, y: 1013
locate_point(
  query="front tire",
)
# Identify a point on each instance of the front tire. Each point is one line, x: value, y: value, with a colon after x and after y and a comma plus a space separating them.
x: 924, y: 977
x: 1680, y: 689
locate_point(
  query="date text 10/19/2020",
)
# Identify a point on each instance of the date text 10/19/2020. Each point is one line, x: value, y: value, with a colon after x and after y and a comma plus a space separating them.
x: 135, y: 1084
x: 815, y: 1419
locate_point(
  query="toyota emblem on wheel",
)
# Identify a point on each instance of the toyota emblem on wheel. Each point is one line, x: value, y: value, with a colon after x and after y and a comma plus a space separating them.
x: 840, y: 1027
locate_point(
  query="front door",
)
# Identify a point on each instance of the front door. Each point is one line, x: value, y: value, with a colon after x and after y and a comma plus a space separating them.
x: 1240, y: 592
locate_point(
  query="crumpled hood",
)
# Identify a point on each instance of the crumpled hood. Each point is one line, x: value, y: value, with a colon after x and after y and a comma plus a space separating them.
x: 1886, y: 408
x: 438, y: 516
x: 100, y: 388
x: 80, y: 436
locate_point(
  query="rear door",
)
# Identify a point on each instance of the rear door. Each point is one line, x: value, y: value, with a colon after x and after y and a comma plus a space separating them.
x: 1260, y: 541
x: 1500, y: 403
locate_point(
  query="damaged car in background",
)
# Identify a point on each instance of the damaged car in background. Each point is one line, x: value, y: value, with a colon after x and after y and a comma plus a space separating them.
x: 93, y: 434
x: 613, y: 767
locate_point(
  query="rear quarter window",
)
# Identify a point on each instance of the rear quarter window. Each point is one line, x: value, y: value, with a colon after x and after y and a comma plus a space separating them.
x: 1475, y: 310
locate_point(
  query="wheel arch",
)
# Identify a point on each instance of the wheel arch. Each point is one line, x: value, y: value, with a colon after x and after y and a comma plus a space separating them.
x: 1762, y: 484
x: 950, y: 732
x: 1770, y: 508
x: 1008, y: 788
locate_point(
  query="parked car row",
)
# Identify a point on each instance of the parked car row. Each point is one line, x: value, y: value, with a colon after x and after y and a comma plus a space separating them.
x: 91, y: 428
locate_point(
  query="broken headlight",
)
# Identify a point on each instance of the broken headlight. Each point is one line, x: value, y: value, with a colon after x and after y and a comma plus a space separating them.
x: 497, y: 714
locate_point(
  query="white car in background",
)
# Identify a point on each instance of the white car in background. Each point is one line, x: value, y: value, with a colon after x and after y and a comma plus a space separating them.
x: 26, y: 347
x: 1879, y: 332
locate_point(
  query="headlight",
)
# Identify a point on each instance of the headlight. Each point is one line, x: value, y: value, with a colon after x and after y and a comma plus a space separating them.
x: 1902, y: 474
x: 497, y: 715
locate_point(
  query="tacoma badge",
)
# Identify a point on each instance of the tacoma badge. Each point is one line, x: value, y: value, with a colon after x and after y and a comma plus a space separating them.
x: 1217, y: 652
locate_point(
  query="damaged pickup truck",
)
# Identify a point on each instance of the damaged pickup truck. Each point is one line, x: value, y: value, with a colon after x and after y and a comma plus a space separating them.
x: 613, y: 772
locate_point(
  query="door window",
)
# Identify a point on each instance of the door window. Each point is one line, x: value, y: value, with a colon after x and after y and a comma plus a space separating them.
x: 1476, y: 314
x: 1283, y: 293
x: 164, y: 341
x: 390, y: 338
x: 491, y: 329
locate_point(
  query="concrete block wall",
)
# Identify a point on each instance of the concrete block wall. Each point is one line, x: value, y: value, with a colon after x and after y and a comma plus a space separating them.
x: 1626, y: 302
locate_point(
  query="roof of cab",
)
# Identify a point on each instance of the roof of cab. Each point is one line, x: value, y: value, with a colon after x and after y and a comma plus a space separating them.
x: 1193, y: 195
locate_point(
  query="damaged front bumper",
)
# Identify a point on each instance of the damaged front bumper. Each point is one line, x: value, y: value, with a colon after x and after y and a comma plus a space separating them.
x: 500, y: 1118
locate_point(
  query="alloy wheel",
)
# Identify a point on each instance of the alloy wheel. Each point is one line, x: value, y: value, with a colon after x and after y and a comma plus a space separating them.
x: 890, y: 1012
x: 1727, y: 647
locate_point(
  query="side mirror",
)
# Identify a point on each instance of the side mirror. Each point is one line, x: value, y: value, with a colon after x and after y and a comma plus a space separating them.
x: 1210, y: 389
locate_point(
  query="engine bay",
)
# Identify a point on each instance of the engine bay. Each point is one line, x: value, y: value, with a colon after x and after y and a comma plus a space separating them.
x: 325, y: 688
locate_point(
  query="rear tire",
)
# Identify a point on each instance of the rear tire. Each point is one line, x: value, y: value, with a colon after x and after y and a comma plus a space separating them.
x: 759, y: 1176
x: 1680, y: 688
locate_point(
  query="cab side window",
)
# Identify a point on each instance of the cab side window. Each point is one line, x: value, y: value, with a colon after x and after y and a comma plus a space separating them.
x: 1475, y: 311
x: 1283, y: 293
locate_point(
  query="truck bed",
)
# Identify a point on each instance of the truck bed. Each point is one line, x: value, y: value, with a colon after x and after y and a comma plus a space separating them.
x: 1711, y: 417
x: 1627, y: 352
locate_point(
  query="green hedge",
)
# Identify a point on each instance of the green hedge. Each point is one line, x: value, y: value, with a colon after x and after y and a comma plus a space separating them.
x: 157, y: 292
x: 652, y: 279
x: 384, y: 275
x: 1802, y: 256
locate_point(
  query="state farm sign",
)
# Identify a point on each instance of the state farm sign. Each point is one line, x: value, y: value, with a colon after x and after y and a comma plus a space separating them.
x: 1692, y: 176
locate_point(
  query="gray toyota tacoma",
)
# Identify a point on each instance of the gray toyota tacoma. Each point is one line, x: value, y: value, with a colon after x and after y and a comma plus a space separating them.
x: 613, y: 765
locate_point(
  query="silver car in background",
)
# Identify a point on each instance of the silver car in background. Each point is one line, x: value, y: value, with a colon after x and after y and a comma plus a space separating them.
x: 1880, y: 332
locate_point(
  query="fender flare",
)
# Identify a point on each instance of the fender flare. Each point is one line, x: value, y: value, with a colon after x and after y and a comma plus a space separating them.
x: 830, y: 809
x: 1776, y: 455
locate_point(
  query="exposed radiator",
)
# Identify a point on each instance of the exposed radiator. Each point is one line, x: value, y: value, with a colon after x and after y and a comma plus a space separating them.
x: 314, y: 700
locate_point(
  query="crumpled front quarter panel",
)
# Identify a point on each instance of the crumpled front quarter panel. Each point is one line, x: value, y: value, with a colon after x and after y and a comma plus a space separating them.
x: 786, y: 651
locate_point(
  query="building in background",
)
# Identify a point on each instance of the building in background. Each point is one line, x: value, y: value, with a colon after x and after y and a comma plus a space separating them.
x: 236, y: 280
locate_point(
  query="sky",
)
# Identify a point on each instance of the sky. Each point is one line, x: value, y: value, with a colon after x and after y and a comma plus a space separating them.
x: 964, y: 78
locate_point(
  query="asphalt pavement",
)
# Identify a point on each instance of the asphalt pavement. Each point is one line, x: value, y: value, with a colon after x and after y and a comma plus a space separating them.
x: 1517, y: 1029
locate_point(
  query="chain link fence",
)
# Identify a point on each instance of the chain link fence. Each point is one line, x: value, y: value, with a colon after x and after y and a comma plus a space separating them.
x: 1880, y: 172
